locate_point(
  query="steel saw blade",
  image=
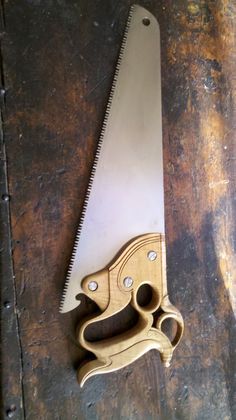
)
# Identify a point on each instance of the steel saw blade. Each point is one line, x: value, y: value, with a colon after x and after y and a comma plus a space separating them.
x: 125, y: 196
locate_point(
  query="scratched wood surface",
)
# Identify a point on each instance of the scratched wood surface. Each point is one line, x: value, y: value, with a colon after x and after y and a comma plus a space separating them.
x: 58, y: 59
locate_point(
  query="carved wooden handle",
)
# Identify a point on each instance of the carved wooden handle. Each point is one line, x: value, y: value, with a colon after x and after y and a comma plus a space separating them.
x: 141, y: 262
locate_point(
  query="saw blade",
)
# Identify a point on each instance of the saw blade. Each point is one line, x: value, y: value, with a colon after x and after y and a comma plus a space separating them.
x: 125, y: 195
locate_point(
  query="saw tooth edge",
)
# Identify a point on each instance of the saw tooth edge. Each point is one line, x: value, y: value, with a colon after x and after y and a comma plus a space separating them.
x: 95, y: 162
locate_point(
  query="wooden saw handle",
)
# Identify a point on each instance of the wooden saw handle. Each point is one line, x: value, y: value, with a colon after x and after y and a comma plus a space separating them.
x: 141, y: 262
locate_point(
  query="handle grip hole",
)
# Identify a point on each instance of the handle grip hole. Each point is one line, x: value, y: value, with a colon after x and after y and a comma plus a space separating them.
x: 169, y: 327
x: 147, y: 298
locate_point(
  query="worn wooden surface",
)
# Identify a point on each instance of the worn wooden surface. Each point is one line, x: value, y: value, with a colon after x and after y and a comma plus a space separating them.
x: 58, y: 58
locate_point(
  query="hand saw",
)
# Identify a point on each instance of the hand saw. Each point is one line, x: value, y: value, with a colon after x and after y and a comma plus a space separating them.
x: 120, y: 244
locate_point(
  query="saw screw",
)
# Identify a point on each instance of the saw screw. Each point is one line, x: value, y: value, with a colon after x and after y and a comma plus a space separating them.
x: 92, y: 286
x: 152, y: 255
x: 128, y: 281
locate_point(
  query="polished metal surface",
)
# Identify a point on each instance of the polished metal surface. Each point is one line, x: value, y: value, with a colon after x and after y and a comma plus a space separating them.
x: 128, y: 281
x: 152, y: 255
x: 125, y: 197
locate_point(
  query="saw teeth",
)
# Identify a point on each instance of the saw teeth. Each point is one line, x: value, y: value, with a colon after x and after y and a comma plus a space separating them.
x: 99, y: 146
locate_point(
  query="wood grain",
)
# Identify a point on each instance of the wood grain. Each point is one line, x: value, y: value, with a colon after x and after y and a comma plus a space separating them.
x: 113, y: 294
x: 58, y: 59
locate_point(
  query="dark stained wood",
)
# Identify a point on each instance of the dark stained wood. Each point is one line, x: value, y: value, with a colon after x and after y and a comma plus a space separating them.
x: 11, y: 397
x: 58, y: 61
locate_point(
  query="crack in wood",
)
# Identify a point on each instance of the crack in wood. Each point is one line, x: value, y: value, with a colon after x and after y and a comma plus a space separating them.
x: 12, y: 397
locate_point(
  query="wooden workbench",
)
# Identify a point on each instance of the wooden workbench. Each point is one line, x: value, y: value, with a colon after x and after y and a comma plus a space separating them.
x: 57, y: 64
